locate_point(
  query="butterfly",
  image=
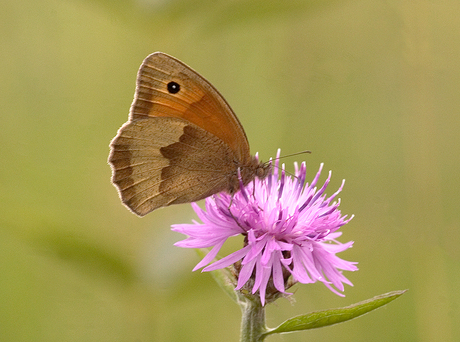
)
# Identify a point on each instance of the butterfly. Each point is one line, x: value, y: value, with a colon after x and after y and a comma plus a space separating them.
x: 182, y: 142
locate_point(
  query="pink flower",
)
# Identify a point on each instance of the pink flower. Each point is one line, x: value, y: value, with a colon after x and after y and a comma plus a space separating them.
x: 289, y: 228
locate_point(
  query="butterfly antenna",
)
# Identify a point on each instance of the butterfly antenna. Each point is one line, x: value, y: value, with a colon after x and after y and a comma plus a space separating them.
x: 288, y: 155
x: 292, y: 154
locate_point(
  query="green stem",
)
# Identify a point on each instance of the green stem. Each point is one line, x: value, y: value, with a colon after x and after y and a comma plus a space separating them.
x: 253, y: 321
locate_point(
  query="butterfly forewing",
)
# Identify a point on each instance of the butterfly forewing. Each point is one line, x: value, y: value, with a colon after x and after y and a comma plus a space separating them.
x: 197, y: 101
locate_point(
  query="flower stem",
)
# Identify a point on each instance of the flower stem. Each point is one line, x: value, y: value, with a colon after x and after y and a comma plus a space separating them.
x: 253, y: 321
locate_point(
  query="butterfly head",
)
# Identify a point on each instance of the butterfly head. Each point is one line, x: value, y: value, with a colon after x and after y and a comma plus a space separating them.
x: 247, y: 173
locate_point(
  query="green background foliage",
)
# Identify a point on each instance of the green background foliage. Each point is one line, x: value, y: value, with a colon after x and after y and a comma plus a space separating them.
x: 371, y: 87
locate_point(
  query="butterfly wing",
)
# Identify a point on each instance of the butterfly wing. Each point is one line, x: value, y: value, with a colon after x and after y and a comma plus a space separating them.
x: 162, y: 161
x: 196, y: 100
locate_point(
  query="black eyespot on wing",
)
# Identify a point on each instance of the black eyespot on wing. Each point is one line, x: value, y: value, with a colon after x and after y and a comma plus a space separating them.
x: 173, y: 87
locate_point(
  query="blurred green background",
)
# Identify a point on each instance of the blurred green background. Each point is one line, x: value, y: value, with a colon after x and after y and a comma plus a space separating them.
x: 371, y: 87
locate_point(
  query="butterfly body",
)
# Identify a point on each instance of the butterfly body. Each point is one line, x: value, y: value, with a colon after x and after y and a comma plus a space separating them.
x: 182, y: 142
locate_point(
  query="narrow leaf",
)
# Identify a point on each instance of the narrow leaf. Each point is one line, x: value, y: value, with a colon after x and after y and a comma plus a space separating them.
x: 333, y: 316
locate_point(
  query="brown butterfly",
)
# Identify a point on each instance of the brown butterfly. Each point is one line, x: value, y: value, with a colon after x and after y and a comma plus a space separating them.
x: 182, y: 141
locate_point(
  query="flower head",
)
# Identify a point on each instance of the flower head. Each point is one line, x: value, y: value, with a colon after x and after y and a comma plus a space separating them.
x: 289, y: 228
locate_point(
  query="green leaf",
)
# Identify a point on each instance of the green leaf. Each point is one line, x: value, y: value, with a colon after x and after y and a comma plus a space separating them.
x: 324, y: 318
